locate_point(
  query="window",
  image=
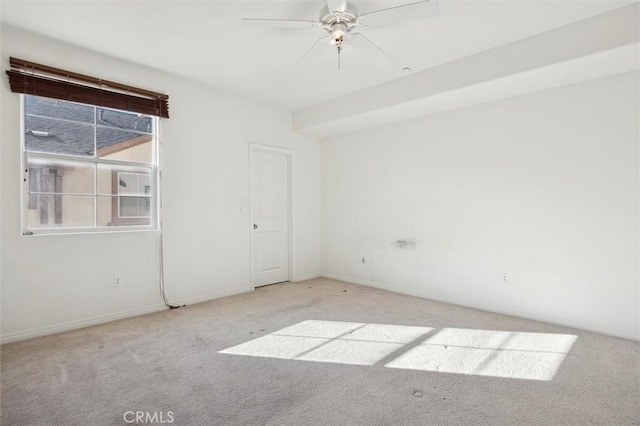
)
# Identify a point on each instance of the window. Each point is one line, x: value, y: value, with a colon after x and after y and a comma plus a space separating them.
x: 87, y: 168
x: 89, y: 150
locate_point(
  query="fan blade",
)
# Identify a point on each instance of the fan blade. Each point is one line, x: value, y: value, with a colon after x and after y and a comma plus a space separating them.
x: 371, y: 50
x: 399, y: 14
x: 279, y: 23
x: 337, y: 5
x: 310, y: 49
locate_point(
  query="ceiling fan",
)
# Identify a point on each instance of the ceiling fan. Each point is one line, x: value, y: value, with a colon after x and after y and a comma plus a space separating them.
x: 340, y: 18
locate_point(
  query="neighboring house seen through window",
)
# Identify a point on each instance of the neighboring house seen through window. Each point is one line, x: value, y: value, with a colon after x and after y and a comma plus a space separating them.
x: 87, y: 167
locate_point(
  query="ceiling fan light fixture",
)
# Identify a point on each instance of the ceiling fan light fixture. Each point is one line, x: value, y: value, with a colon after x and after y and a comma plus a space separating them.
x: 338, y: 31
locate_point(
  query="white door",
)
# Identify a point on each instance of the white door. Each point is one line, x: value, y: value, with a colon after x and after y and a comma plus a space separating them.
x: 269, y: 217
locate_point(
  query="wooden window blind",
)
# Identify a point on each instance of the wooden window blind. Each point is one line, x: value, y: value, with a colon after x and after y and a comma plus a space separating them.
x: 42, y: 80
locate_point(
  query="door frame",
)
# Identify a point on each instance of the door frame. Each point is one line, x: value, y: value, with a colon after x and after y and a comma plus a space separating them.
x: 289, y: 153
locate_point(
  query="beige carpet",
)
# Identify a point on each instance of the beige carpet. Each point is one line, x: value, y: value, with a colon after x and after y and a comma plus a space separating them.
x: 322, y: 352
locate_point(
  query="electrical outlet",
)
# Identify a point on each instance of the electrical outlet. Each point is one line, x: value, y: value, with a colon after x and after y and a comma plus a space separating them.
x: 504, y: 278
x: 117, y: 281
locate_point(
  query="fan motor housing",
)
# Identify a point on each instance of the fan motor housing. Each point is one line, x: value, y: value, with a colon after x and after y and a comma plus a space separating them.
x: 347, y: 18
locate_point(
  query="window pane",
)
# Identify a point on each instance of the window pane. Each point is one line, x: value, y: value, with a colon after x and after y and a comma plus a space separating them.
x: 125, y: 195
x: 64, y: 191
x: 54, y: 176
x: 124, y: 145
x: 124, y: 120
x: 61, y: 211
x: 58, y: 136
x: 124, y: 211
x: 123, y: 180
x: 134, y: 207
x: 54, y: 108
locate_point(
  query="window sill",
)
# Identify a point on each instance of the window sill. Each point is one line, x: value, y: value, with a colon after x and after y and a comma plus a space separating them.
x: 84, y: 231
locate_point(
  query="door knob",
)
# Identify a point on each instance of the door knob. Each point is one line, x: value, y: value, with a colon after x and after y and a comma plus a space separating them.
x: 255, y: 226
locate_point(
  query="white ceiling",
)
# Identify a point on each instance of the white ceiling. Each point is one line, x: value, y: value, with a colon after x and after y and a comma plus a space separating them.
x: 206, y: 41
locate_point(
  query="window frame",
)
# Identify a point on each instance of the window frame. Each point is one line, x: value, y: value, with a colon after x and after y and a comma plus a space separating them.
x: 118, y: 165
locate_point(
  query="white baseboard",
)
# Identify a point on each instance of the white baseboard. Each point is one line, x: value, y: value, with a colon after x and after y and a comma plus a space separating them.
x: 73, y: 325
x: 207, y: 297
x: 472, y: 304
x: 304, y: 277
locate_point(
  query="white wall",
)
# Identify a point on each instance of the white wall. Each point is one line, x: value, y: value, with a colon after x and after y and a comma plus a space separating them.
x: 52, y: 283
x: 542, y: 186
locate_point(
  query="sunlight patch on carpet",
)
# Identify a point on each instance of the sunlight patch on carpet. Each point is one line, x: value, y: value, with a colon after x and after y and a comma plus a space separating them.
x: 516, y: 355
x: 532, y: 356
x: 332, y: 341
